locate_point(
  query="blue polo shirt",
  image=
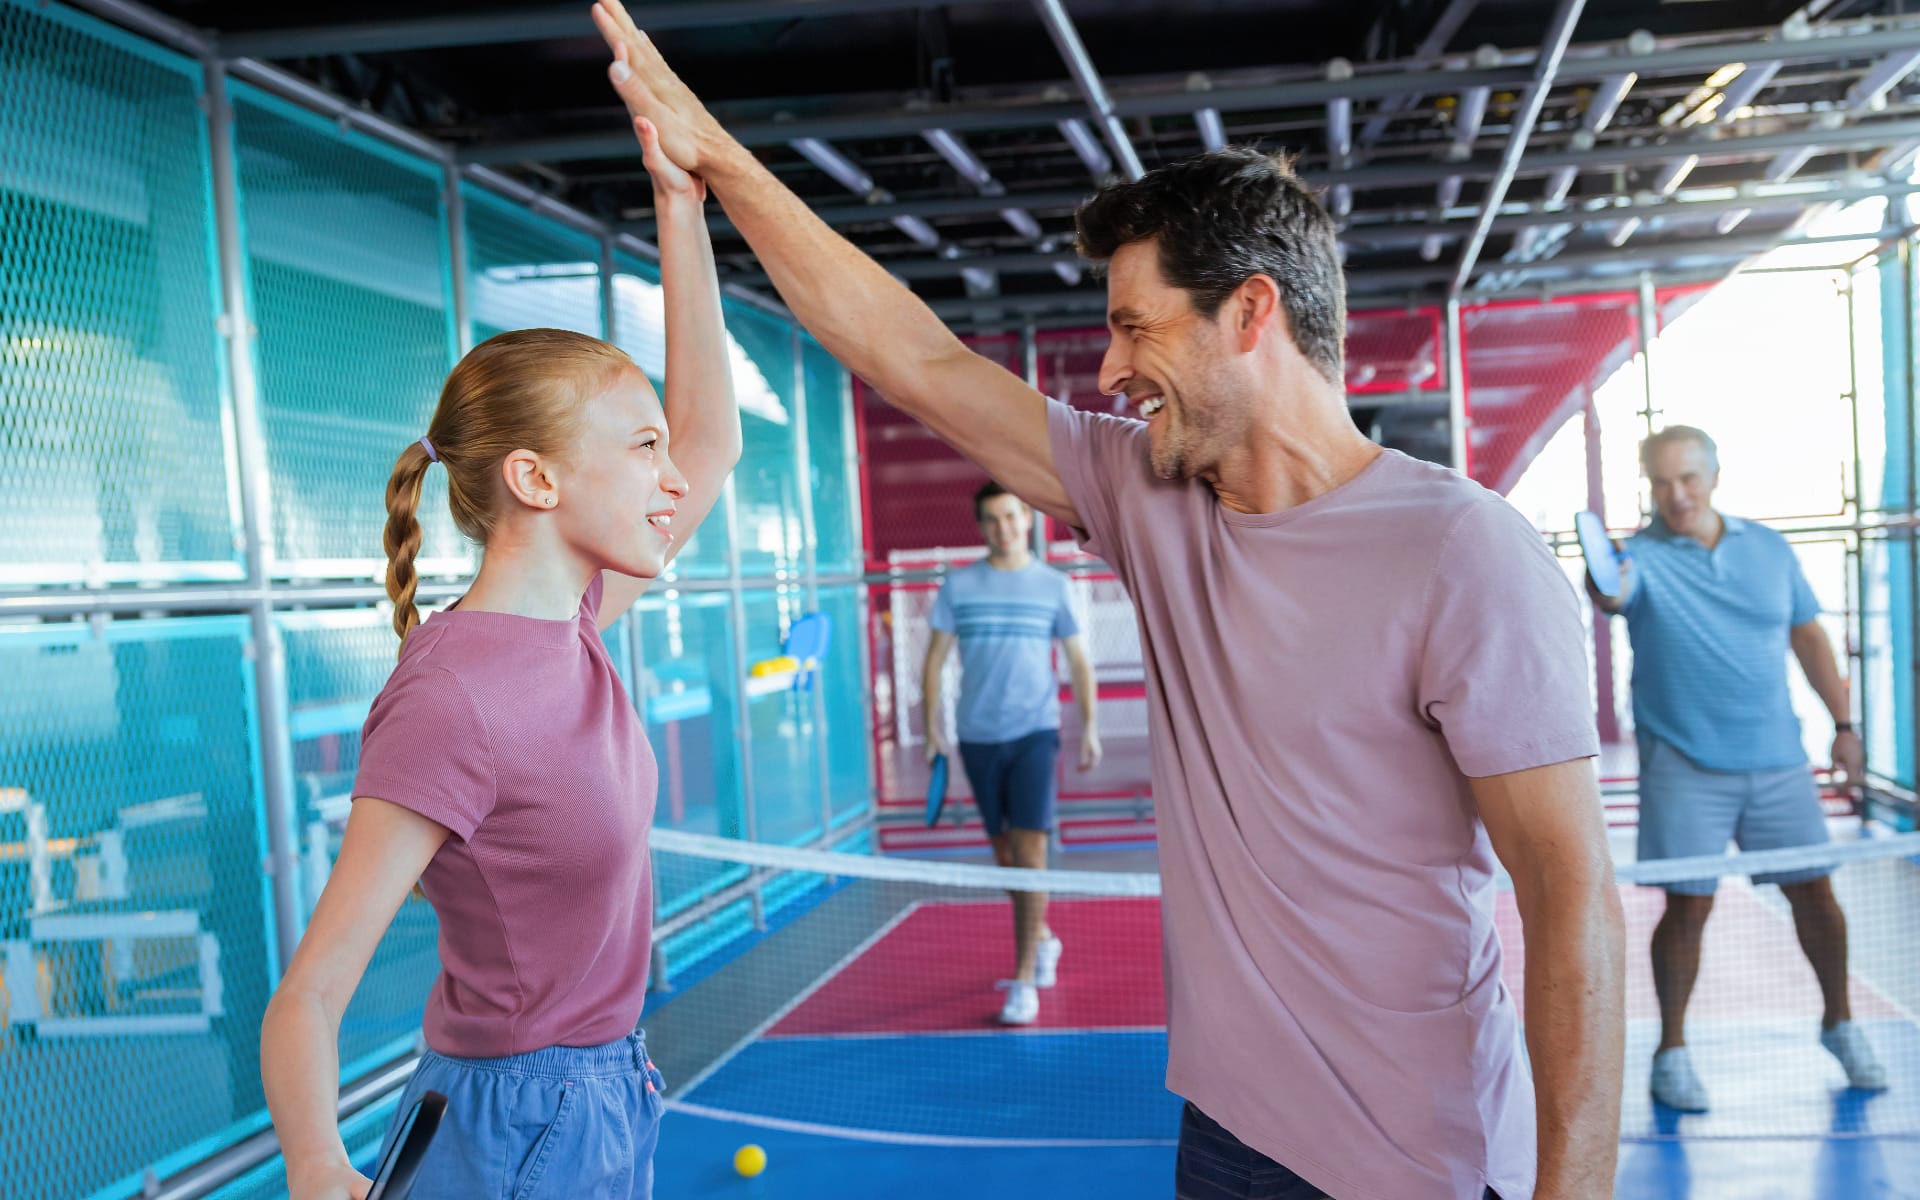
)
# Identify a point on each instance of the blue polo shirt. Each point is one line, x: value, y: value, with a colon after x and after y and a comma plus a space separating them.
x: 1005, y: 622
x: 1710, y: 644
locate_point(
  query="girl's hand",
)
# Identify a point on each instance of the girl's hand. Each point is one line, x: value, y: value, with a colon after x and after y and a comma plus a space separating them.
x: 333, y: 1182
x: 668, y: 179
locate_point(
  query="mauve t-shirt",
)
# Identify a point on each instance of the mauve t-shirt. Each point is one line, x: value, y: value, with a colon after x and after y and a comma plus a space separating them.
x: 1322, y: 682
x: 517, y: 735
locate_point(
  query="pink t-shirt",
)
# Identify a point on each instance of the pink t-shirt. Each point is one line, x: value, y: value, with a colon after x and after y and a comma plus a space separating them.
x: 1322, y: 682
x: 518, y: 736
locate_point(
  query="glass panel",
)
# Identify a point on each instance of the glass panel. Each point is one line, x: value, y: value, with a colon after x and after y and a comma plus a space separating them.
x: 1886, y: 636
x: 688, y: 694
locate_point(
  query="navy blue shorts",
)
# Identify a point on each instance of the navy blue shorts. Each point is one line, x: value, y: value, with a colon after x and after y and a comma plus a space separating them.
x: 1013, y: 782
x: 1212, y: 1164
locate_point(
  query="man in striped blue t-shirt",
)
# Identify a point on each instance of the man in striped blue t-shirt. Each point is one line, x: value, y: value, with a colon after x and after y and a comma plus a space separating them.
x: 1006, y: 612
x: 1713, y: 605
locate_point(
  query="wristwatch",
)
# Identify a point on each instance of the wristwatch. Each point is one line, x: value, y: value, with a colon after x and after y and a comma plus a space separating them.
x: 1840, y: 727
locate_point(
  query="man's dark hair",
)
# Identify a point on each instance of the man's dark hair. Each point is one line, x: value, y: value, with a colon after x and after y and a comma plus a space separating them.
x: 1222, y: 218
x: 988, y: 491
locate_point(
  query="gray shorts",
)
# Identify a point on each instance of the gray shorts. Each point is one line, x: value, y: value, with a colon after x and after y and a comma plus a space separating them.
x: 1687, y: 810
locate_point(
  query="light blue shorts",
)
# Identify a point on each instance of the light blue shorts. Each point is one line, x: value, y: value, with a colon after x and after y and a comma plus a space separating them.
x: 567, y: 1121
x: 1687, y: 810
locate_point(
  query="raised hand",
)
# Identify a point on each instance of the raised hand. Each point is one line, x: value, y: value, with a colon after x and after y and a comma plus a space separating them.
x: 668, y: 178
x: 650, y: 89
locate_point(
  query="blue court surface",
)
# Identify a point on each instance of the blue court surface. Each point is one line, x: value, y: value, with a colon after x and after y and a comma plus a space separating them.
x: 881, y: 1080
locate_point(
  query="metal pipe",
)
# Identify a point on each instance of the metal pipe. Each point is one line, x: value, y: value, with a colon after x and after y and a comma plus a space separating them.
x: 457, y: 262
x: 742, y: 711
x: 256, y: 509
x: 215, y: 1172
x: 1647, y: 315
x: 1213, y: 132
x: 1459, y: 445
x: 1553, y: 48
x: 1432, y: 45
x: 531, y: 25
x: 809, y: 566
x: 975, y: 118
x: 1079, y: 65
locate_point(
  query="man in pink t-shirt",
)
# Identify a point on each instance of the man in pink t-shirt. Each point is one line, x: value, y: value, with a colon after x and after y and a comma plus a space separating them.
x: 1365, y: 677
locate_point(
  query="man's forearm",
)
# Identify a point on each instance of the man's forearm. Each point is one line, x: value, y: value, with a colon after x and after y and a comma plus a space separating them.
x: 930, y: 695
x: 864, y: 317
x: 1576, y: 1036
x: 1815, y: 652
x: 1086, y: 694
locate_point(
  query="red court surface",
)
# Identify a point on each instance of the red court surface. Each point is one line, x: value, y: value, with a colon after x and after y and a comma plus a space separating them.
x: 934, y: 972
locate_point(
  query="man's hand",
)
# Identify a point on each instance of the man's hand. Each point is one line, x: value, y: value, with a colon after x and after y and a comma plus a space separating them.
x: 650, y: 89
x: 936, y: 746
x: 1611, y: 605
x: 1089, y: 749
x: 1849, y: 758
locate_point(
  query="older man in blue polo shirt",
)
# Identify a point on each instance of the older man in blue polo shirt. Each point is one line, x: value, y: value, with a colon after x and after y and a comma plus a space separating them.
x: 1713, y: 603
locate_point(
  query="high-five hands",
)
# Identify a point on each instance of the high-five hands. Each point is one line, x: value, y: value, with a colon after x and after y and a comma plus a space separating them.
x: 688, y: 134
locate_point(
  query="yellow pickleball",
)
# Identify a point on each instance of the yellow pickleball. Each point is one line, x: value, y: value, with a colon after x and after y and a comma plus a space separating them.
x: 749, y: 1160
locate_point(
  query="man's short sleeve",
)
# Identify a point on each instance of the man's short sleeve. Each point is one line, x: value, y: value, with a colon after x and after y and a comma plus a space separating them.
x: 942, y: 616
x: 1065, y: 624
x: 1095, y: 456
x: 425, y: 748
x: 1806, y: 605
x: 1504, y: 673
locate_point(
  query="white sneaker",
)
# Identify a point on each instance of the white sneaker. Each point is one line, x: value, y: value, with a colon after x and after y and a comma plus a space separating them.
x: 1674, y: 1083
x: 1046, y: 962
x: 1849, y: 1044
x: 1023, y: 1003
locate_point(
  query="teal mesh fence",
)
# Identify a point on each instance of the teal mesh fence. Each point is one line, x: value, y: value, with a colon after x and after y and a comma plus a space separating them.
x: 639, y: 325
x: 113, y: 451
x: 362, y: 1134
x: 132, y: 900
x: 832, y: 472
x: 843, y: 693
x: 345, y: 249
x: 525, y: 271
x: 688, y: 693
x: 336, y: 664
x: 785, y: 737
x: 767, y: 481
x: 130, y: 763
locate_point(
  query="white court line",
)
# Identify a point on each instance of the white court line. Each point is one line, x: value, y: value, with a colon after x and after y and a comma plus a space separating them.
x: 995, y: 1031
x: 909, y: 1139
x: 752, y: 1036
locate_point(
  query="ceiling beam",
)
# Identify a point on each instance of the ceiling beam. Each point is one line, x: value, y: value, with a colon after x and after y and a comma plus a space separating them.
x: 1559, y: 34
x: 533, y: 25
x: 1303, y: 92
x: 1066, y: 39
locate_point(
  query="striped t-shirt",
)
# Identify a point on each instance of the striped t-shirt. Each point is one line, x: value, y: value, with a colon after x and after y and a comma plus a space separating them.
x: 1006, y: 622
x: 1709, y: 631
